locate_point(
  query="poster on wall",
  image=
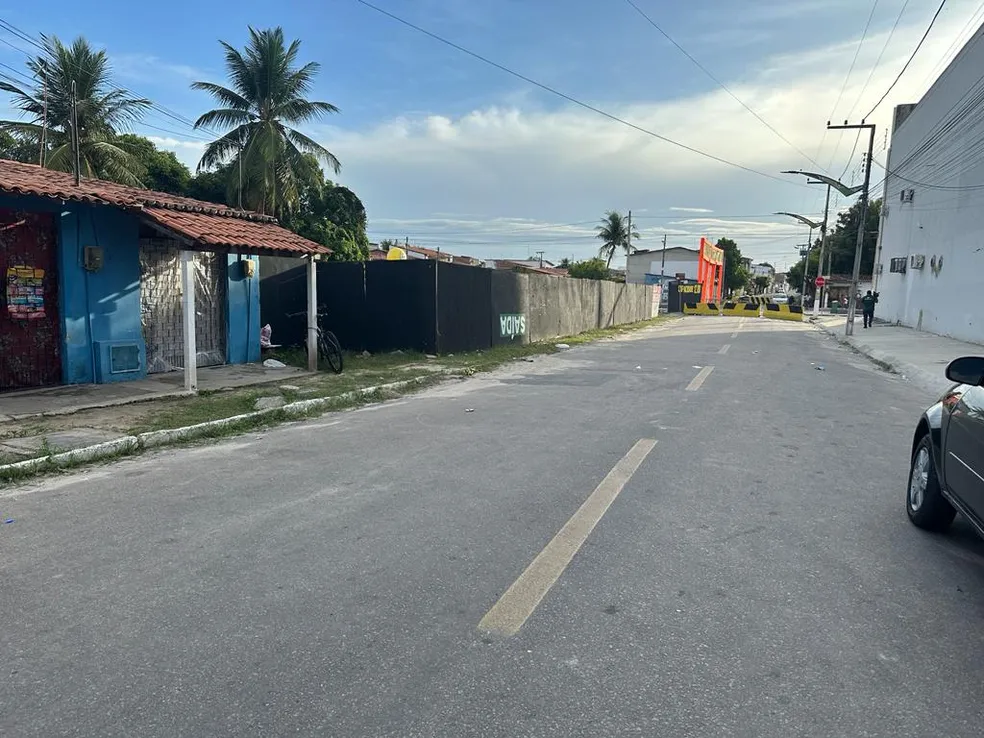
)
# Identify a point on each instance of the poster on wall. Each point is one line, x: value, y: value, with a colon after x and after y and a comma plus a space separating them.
x: 657, y: 298
x: 25, y: 292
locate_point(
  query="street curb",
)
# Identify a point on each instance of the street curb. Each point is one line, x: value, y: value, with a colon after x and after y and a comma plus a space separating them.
x: 909, y: 372
x: 152, y: 439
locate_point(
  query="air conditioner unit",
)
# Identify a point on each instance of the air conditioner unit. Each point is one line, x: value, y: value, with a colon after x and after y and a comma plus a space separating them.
x: 917, y: 261
x: 907, y: 195
x: 897, y: 265
x: 879, y: 268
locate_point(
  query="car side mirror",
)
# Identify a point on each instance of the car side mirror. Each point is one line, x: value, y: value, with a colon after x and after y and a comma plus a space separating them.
x: 966, y: 370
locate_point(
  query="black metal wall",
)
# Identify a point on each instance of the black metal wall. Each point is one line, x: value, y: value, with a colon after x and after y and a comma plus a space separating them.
x: 401, y: 306
x: 464, y: 308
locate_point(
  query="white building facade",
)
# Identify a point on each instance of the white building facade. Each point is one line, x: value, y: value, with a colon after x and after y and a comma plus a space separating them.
x: 929, y: 268
x: 678, y: 261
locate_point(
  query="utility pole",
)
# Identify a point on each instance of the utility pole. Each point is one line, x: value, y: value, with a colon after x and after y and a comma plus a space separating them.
x: 856, y: 274
x: 44, y: 121
x: 628, y: 239
x: 540, y: 254
x: 818, y: 297
x: 662, y: 265
x: 806, y: 266
x: 76, y: 157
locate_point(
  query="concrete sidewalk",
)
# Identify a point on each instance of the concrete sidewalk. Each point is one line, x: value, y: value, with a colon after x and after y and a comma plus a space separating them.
x: 71, y: 398
x: 918, y: 356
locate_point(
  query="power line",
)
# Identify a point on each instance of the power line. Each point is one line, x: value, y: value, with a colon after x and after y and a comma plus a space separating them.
x: 721, y: 84
x: 877, y: 62
x: 958, y: 40
x: 909, y: 60
x: 847, y: 77
x: 569, y: 98
x: 160, y: 109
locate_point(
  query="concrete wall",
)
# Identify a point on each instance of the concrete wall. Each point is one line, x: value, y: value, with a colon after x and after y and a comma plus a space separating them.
x: 938, y: 144
x: 559, y: 306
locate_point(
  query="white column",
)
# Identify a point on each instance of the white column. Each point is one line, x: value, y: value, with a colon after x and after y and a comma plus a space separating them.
x: 188, y: 309
x: 312, y: 314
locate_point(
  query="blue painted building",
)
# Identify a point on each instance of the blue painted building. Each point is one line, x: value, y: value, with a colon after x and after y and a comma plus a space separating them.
x: 92, y: 288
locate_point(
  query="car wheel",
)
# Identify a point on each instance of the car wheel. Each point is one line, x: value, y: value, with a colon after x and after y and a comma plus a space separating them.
x: 925, y: 503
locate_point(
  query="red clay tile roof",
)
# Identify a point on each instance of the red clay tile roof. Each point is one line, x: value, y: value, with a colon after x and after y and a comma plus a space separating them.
x: 235, y: 233
x: 208, y: 223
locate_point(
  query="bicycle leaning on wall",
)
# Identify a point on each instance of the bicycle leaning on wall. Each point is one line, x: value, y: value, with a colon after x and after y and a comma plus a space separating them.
x: 329, y: 349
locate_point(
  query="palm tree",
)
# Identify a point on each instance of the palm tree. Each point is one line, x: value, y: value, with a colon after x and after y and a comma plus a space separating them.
x: 614, y: 233
x: 103, y: 111
x: 266, y: 97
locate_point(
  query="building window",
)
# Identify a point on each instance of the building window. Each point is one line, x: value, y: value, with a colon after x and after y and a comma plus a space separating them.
x: 897, y: 265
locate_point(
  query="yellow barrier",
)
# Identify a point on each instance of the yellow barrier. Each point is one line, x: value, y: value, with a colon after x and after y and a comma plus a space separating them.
x: 701, y: 308
x: 741, y: 309
x: 783, y: 312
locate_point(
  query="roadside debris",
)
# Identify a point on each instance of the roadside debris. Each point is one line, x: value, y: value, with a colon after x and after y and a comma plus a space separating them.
x: 563, y: 346
x: 8, y: 521
x: 396, y: 353
x: 820, y: 368
x: 528, y: 360
x: 289, y: 388
x: 469, y: 409
x: 365, y: 354
x: 274, y: 364
x: 696, y: 367
x: 429, y: 356
x: 638, y: 368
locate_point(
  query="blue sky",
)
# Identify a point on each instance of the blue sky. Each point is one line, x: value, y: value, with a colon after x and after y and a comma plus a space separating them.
x: 455, y: 154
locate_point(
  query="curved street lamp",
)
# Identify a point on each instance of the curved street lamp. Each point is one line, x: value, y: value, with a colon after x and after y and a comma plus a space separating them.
x: 842, y: 188
x: 801, y: 219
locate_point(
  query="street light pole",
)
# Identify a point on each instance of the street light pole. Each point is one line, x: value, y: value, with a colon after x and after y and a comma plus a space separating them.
x: 856, y: 274
x: 806, y: 266
x: 817, y: 298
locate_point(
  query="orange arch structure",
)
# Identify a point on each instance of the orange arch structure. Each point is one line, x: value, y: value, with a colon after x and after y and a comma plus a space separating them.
x: 710, y: 271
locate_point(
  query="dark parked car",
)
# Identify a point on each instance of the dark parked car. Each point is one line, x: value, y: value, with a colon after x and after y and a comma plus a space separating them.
x: 947, y: 471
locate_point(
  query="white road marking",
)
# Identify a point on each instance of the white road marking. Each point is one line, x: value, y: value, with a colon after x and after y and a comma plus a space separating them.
x: 525, y: 594
x: 697, y: 381
x: 724, y: 348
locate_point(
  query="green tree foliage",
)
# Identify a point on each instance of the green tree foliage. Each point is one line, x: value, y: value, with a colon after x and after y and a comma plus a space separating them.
x: 331, y: 215
x: 214, y: 185
x: 266, y: 98
x: 103, y: 111
x: 19, y: 148
x: 594, y: 268
x: 761, y: 284
x: 156, y: 169
x: 841, y: 244
x: 614, y: 235
x: 735, y: 274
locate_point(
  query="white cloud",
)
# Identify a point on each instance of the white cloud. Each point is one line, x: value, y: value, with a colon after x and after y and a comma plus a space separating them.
x: 507, y: 179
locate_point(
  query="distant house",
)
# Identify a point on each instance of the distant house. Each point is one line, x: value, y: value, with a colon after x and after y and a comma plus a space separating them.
x: 645, y: 267
x: 531, y: 266
x: 94, y: 273
x: 377, y: 253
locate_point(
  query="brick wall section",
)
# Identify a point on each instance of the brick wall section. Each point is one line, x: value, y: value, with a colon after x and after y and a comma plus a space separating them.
x: 161, y: 310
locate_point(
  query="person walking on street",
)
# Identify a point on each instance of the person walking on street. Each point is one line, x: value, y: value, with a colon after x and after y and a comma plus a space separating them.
x: 868, y: 308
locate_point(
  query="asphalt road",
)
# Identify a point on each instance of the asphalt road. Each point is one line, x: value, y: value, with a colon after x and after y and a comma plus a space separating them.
x: 752, y: 573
